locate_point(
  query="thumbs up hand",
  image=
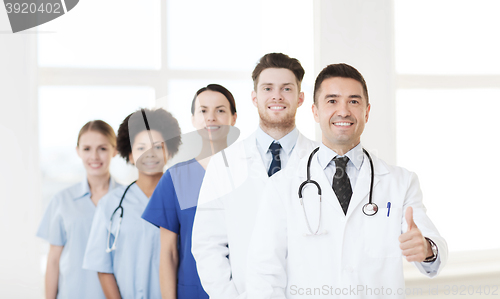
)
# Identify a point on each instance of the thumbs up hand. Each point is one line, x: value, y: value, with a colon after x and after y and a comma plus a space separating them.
x: 415, y: 247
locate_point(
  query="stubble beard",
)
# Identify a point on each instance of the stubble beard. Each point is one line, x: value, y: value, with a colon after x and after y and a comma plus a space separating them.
x: 283, y: 123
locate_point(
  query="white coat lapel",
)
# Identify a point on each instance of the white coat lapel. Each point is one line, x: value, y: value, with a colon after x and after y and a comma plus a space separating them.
x: 301, y: 149
x: 255, y: 164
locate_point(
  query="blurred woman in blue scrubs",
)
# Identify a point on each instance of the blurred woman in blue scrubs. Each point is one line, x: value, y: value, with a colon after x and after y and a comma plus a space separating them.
x: 173, y: 204
x: 67, y: 221
x: 125, y: 253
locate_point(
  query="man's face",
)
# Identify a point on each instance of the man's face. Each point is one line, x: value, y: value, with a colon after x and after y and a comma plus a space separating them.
x: 277, y: 97
x: 342, y: 111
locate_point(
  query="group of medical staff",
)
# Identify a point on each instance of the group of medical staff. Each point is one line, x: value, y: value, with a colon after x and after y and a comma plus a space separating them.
x: 261, y: 218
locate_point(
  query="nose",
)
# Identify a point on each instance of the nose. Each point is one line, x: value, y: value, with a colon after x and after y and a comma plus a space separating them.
x: 151, y: 152
x: 343, y: 109
x: 210, y: 117
x: 94, y: 155
x: 277, y: 95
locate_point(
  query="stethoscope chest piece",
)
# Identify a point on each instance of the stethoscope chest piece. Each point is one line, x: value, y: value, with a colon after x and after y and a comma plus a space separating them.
x: 370, y: 209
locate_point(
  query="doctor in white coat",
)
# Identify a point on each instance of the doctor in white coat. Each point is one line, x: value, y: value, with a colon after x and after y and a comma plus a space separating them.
x: 332, y: 249
x: 234, y: 179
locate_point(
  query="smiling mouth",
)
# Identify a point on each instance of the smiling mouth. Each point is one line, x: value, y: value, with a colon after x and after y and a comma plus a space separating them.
x: 343, y: 124
x: 95, y: 165
x: 277, y: 108
x: 212, y: 128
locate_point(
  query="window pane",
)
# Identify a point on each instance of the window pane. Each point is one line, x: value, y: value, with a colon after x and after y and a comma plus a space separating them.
x: 215, y: 35
x: 447, y: 37
x: 450, y: 139
x: 233, y: 35
x: 103, y: 34
x: 63, y: 111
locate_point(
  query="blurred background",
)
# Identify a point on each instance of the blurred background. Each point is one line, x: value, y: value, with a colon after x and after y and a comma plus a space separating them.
x: 433, y: 76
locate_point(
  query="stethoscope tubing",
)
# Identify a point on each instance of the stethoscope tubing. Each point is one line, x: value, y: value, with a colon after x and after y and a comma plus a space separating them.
x: 120, y: 207
x: 368, y: 209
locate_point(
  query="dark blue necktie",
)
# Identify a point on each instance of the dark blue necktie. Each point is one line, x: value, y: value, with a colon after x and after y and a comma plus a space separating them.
x: 276, y: 162
x: 341, y: 183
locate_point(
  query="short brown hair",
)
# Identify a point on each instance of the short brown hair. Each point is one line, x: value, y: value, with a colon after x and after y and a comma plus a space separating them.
x: 278, y: 61
x: 98, y: 126
x: 339, y: 70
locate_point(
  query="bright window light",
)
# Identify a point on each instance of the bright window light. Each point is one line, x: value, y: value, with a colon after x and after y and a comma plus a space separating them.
x: 233, y: 35
x: 207, y: 38
x: 121, y: 34
x: 450, y: 37
x: 450, y: 139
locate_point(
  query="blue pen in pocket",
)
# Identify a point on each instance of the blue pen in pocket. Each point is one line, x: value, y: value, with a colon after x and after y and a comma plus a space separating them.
x: 388, y: 208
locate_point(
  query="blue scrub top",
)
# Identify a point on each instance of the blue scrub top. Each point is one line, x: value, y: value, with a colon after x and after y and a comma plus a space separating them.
x: 173, y: 206
x: 67, y: 223
x: 135, y: 262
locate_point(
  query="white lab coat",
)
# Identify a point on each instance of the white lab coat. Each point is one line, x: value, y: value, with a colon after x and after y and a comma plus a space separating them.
x: 227, y: 206
x: 355, y: 251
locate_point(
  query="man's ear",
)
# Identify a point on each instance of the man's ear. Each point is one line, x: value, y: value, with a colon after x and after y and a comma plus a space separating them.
x: 315, y: 112
x: 367, y: 112
x: 254, y: 98
x: 301, y: 99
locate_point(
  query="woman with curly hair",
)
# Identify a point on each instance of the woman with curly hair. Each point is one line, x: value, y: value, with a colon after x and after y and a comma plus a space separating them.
x: 123, y: 248
x: 173, y: 205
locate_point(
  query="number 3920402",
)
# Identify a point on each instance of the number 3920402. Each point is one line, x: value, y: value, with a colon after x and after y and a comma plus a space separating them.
x: 25, y: 8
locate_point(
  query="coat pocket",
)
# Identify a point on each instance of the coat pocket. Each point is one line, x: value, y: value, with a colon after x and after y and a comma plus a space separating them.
x: 382, y: 231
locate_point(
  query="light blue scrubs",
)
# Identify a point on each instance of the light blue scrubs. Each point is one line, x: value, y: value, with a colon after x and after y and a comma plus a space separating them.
x: 67, y: 223
x: 135, y: 262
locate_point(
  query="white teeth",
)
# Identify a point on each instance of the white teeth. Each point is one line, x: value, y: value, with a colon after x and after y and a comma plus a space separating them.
x: 276, y: 108
x: 212, y: 127
x: 342, y: 124
x: 95, y: 165
x: 150, y: 163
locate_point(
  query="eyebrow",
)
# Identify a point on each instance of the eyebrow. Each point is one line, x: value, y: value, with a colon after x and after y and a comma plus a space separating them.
x: 86, y: 145
x: 215, y: 107
x: 355, y: 96
x: 141, y: 143
x: 284, y: 84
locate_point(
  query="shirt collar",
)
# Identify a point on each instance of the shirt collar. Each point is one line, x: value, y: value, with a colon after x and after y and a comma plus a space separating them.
x: 84, y: 188
x: 287, y: 142
x: 355, y: 156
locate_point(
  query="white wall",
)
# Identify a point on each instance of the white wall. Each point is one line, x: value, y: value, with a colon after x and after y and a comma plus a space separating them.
x: 19, y: 176
x: 360, y: 33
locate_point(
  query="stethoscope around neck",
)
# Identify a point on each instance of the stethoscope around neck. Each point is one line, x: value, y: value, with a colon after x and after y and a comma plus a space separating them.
x: 120, y: 207
x: 369, y: 209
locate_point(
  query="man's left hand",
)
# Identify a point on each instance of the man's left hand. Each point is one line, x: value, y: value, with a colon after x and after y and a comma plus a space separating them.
x: 415, y: 247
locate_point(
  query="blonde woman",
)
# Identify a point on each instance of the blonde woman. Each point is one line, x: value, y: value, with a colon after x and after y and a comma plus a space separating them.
x: 67, y: 221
